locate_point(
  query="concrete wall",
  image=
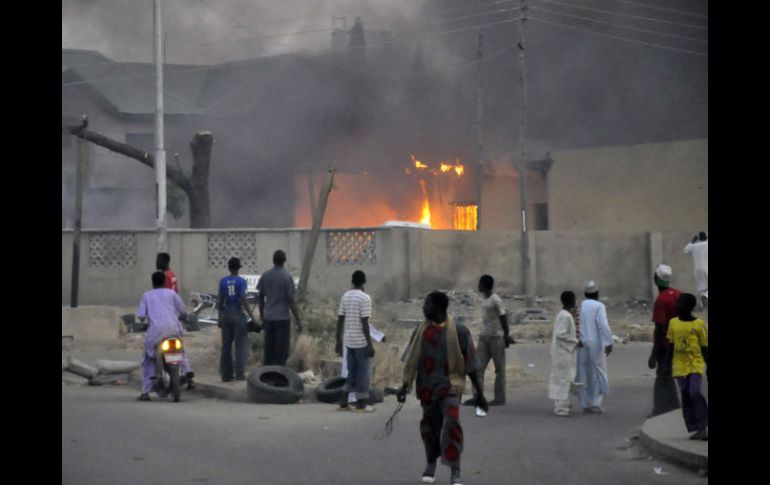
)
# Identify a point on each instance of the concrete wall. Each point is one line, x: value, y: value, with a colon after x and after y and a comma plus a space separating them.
x: 95, y: 323
x: 672, y: 254
x: 189, y: 260
x: 409, y: 263
x: 456, y: 259
x: 500, y: 205
x: 617, y: 262
x: 654, y: 187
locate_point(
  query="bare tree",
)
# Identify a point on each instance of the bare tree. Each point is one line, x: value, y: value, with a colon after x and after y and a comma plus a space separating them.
x: 195, y: 186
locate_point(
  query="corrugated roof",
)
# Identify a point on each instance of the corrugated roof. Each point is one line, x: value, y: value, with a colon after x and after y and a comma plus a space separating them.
x: 236, y: 87
x: 78, y: 57
x: 130, y: 87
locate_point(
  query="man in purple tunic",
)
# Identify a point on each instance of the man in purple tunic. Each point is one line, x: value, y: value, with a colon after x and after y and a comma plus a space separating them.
x: 162, y: 307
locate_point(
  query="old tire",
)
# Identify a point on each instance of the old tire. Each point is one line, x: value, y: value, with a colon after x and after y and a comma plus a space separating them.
x: 173, y: 371
x: 275, y: 384
x: 330, y: 390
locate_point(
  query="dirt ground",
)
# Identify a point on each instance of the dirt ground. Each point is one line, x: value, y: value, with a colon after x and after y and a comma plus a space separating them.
x: 314, y: 348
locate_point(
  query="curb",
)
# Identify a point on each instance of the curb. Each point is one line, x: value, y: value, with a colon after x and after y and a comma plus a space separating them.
x: 239, y: 393
x: 663, y: 450
x: 236, y: 394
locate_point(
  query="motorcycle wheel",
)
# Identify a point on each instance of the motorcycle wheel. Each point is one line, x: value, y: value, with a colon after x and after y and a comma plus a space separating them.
x: 174, y: 374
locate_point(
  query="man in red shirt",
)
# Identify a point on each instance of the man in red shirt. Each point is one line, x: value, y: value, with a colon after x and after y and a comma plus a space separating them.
x: 162, y: 264
x: 665, y: 396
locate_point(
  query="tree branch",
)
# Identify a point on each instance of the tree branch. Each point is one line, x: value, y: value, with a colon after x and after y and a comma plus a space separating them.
x: 174, y: 175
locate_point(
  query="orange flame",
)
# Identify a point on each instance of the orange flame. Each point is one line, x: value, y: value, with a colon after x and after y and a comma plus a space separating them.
x: 425, y: 204
x: 457, y: 168
x: 417, y: 163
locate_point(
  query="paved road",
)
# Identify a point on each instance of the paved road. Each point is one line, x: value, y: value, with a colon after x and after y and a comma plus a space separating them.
x: 108, y: 437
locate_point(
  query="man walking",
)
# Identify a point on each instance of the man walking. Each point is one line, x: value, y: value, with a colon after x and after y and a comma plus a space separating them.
x: 494, y: 338
x: 664, y: 396
x: 596, y: 337
x: 563, y: 357
x: 276, y: 297
x: 689, y: 337
x: 354, y: 313
x: 440, y: 355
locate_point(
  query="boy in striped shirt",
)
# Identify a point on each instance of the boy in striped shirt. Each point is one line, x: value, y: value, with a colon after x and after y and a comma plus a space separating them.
x: 354, y: 313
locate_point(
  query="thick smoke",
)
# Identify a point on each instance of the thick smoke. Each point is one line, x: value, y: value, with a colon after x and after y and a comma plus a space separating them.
x: 417, y: 95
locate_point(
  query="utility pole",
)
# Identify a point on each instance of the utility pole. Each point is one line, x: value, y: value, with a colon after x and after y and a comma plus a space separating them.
x: 75, y: 282
x: 160, y: 153
x: 522, y: 165
x: 318, y: 218
x: 479, y: 138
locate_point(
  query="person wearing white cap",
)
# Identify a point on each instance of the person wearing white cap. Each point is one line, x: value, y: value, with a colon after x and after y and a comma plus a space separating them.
x: 665, y: 397
x: 596, y: 337
x: 699, y: 248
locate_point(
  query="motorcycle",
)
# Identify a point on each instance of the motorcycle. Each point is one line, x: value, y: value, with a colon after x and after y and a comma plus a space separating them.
x: 168, y: 361
x: 205, y: 309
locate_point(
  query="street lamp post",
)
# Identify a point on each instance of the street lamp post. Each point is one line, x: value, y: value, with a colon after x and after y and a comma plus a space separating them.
x: 160, y: 153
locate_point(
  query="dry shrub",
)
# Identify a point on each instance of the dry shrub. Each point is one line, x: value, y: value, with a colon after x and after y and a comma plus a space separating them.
x: 387, y: 368
x: 306, y: 353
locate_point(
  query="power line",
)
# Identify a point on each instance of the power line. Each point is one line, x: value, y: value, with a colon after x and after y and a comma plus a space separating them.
x: 621, y: 38
x: 477, y: 6
x: 368, y: 22
x: 391, y: 30
x: 253, y: 78
x: 621, y: 26
x: 651, y: 19
x: 248, y: 61
x: 662, y: 8
x: 443, y: 71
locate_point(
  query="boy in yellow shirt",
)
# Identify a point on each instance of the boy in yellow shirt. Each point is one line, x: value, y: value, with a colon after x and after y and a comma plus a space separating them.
x: 689, y: 337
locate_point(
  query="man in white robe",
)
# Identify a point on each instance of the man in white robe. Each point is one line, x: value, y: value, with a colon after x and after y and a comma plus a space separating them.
x: 563, y: 356
x: 596, y: 337
x: 699, y: 248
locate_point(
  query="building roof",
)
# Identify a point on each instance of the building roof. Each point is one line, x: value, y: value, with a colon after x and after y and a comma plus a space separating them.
x: 130, y: 87
x: 580, y: 153
x: 78, y: 57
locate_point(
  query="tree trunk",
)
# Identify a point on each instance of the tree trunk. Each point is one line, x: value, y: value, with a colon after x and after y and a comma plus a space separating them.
x: 196, y: 187
x: 200, y: 213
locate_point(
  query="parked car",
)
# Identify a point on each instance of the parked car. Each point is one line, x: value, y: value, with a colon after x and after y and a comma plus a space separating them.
x: 204, y: 305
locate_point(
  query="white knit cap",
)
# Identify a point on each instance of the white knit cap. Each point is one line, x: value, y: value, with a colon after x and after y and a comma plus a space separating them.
x: 591, y: 287
x: 664, y: 272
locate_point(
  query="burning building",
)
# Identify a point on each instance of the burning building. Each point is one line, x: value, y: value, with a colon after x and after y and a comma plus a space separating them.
x: 442, y: 194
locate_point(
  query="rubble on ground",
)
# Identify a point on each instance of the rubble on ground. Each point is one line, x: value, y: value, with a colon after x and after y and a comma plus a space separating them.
x: 79, y: 373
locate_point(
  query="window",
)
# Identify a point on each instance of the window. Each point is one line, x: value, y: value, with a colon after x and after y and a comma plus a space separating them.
x: 66, y: 138
x: 541, y: 217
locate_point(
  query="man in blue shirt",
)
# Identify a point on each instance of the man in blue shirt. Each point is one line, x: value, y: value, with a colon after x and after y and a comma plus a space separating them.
x: 231, y: 304
x: 276, y: 297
